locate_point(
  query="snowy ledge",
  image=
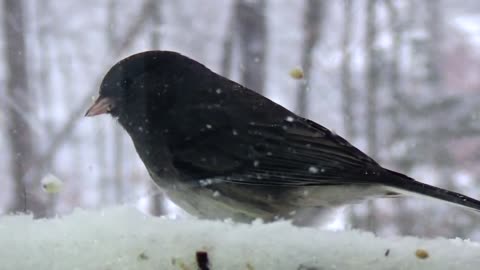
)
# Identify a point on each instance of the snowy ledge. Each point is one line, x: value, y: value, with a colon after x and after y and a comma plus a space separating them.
x: 123, y: 238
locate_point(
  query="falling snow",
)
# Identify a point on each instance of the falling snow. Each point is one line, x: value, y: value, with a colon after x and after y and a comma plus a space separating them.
x: 313, y: 169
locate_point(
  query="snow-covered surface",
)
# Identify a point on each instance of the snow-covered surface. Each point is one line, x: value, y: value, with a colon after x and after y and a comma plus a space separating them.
x: 123, y: 238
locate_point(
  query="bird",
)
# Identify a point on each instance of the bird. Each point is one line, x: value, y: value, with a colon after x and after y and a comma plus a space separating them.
x: 222, y: 151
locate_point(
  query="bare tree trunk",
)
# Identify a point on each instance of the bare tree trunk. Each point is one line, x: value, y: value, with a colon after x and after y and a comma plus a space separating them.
x: 102, y: 138
x: 118, y: 161
x: 371, y: 109
x: 102, y: 158
x: 252, y: 32
x: 118, y: 180
x: 42, y: 75
x: 227, y: 52
x: 311, y: 27
x: 371, y: 80
x: 346, y: 76
x: 155, y: 36
x: 43, y: 10
x: 22, y: 150
x: 394, y: 80
x: 434, y: 28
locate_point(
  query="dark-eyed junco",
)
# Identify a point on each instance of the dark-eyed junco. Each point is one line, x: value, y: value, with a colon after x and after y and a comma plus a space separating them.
x: 220, y: 150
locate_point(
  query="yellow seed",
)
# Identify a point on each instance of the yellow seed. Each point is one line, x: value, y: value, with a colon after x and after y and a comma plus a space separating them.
x: 421, y: 254
x: 51, y: 184
x: 296, y: 73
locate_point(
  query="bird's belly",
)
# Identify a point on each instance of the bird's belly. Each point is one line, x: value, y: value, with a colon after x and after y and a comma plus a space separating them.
x: 246, y: 203
x: 213, y: 204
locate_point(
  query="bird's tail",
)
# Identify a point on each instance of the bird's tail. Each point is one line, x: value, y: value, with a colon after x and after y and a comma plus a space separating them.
x: 405, y: 185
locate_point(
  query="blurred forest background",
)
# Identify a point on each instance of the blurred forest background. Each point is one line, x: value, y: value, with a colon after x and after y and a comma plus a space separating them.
x: 398, y: 78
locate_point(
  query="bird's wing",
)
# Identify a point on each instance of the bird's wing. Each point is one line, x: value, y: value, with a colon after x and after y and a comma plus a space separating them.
x: 289, y: 152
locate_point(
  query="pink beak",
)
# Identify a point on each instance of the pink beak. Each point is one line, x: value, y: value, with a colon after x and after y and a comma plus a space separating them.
x: 102, y: 105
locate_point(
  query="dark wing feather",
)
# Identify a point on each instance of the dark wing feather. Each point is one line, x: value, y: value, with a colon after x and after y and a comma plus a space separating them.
x: 289, y: 152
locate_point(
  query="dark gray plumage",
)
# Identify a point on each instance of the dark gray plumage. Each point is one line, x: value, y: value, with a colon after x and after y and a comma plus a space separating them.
x: 220, y: 150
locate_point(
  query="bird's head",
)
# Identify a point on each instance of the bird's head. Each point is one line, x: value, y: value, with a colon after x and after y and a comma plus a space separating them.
x: 144, y: 85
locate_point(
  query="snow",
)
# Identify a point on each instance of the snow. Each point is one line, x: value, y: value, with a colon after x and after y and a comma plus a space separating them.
x: 313, y: 169
x: 123, y: 238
